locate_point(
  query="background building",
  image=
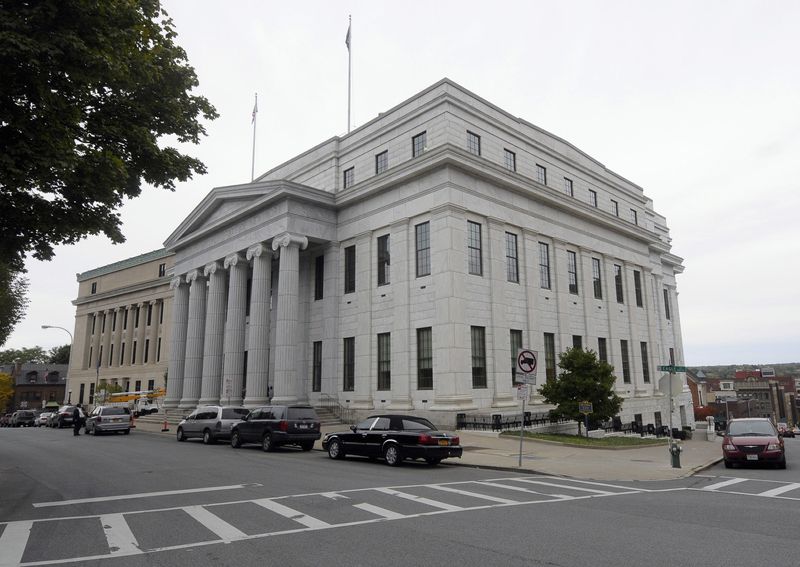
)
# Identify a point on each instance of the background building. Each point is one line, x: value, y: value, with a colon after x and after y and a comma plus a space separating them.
x: 36, y: 386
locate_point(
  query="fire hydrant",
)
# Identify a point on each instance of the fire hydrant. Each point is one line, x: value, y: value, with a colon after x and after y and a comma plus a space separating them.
x: 675, y: 450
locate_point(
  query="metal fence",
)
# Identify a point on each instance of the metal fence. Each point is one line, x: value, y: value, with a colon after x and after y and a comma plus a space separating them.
x: 332, y: 405
x: 500, y: 422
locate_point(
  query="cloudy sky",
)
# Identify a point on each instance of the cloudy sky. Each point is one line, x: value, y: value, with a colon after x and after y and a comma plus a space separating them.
x: 697, y: 102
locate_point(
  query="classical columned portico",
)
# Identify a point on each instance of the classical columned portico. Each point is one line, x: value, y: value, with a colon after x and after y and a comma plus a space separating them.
x: 286, y: 387
x: 194, y: 339
x: 141, y: 320
x: 153, y: 318
x: 177, y: 346
x: 214, y: 335
x: 118, y: 314
x: 233, y: 348
x: 107, y: 314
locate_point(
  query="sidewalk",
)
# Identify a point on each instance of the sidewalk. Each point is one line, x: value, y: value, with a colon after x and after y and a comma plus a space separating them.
x: 489, y: 450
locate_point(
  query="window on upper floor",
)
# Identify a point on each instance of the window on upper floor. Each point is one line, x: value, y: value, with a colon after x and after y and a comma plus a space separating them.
x: 319, y: 277
x: 478, y: 340
x: 511, y: 160
x: 162, y: 270
x: 350, y: 269
x: 94, y: 287
x: 541, y: 174
x: 425, y: 359
x: 418, y: 144
x: 593, y: 197
x: 383, y: 259
x: 349, y: 364
x: 381, y: 162
x: 614, y: 208
x: 634, y: 217
x: 512, y: 260
x: 618, y: 283
x: 666, y: 304
x: 474, y: 248
x: 349, y: 177
x: 473, y: 143
x: 626, y: 367
x: 422, y: 243
x: 597, y: 279
x: 637, y: 288
x: 544, y: 265
x: 572, y: 271
x: 568, y: 187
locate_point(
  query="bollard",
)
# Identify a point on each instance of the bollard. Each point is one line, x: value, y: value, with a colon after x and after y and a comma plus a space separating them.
x: 675, y: 452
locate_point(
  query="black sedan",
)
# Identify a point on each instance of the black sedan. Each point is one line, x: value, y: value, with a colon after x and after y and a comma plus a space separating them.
x: 395, y: 438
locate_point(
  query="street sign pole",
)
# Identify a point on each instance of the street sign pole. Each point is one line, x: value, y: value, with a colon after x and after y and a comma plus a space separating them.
x: 521, y: 432
x: 527, y: 361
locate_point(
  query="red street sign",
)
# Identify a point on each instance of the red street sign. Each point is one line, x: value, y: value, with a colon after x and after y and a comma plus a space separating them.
x: 526, y: 361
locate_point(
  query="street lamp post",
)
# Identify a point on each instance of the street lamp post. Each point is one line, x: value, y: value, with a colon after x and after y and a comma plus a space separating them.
x: 69, y: 360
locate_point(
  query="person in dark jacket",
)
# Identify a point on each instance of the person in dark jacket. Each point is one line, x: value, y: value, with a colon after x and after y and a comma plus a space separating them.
x: 77, y: 420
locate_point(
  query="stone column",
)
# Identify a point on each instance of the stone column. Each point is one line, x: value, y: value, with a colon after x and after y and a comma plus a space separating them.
x: 96, y: 340
x: 177, y: 346
x: 286, y: 324
x: 142, y: 316
x: 403, y: 368
x: 151, y: 356
x: 130, y: 334
x: 119, y: 313
x: 258, y: 340
x: 233, y: 358
x: 107, y: 314
x: 195, y: 336
x: 498, y: 369
x: 214, y: 335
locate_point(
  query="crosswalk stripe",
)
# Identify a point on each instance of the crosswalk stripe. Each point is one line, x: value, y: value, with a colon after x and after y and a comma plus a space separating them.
x: 223, y: 529
x: 517, y: 488
x: 13, y: 542
x: 568, y: 487
x: 119, y: 536
x: 377, y: 510
x: 724, y: 483
x: 420, y: 499
x: 474, y: 494
x: 780, y: 489
x: 291, y: 513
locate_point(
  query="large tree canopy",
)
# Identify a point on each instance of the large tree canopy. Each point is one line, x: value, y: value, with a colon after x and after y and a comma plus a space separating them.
x: 13, y: 300
x: 88, y: 89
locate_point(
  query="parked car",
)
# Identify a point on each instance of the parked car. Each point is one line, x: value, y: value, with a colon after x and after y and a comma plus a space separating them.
x: 394, y: 438
x: 210, y: 423
x: 105, y: 419
x: 752, y: 440
x: 784, y: 430
x: 5, y: 420
x: 273, y: 426
x: 23, y: 418
x: 42, y: 418
x: 63, y: 417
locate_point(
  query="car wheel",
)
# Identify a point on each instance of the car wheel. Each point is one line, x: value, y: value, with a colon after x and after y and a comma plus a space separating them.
x: 391, y: 454
x: 208, y: 437
x: 127, y: 432
x: 266, y: 443
x: 433, y: 461
x: 781, y: 464
x: 236, y: 441
x: 307, y: 445
x: 180, y: 435
x: 728, y: 464
x: 335, y: 449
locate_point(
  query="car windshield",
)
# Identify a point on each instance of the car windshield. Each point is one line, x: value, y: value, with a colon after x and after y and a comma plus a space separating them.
x: 234, y: 413
x: 751, y: 429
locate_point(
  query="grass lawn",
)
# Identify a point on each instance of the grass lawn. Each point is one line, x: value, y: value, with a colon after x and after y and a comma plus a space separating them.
x: 628, y: 441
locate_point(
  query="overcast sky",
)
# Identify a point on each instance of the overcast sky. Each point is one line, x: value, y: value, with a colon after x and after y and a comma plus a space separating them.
x: 697, y: 102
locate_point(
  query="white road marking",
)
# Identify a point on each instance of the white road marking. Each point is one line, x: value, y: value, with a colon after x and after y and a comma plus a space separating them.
x: 335, y: 496
x: 119, y: 536
x: 13, y: 542
x: 473, y: 494
x: 291, y: 513
x: 780, y: 490
x: 578, y: 488
x: 378, y: 511
x: 521, y: 489
x: 724, y: 483
x: 139, y: 495
x: 223, y: 529
x: 420, y: 499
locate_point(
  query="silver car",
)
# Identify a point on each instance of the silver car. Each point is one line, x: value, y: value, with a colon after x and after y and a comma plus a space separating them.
x: 210, y: 423
x: 105, y: 419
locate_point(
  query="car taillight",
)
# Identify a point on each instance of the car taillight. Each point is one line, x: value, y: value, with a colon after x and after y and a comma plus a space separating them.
x: 425, y: 439
x: 455, y: 441
x: 283, y: 425
x: 774, y: 447
x: 728, y: 445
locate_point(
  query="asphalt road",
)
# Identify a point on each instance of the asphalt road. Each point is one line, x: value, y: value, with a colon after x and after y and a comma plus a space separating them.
x: 146, y: 500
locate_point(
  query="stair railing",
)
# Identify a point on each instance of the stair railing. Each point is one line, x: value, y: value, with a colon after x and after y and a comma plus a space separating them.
x: 331, y: 404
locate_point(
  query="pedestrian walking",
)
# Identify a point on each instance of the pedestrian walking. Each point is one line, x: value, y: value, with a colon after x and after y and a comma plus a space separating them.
x: 77, y: 420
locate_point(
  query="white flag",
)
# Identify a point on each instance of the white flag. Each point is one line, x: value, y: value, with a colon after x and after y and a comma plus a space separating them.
x: 255, y: 110
x: 347, y: 39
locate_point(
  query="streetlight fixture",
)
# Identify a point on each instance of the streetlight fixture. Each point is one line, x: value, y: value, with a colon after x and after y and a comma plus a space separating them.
x: 69, y: 360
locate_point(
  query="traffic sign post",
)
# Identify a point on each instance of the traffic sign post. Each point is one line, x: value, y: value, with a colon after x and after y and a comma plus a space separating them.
x: 527, y: 361
x: 586, y: 408
x: 674, y: 449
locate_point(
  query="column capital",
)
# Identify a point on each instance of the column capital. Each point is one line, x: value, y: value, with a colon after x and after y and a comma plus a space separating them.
x: 176, y: 282
x: 257, y: 250
x: 193, y: 275
x: 153, y: 301
x: 232, y: 260
x: 287, y: 239
x: 210, y: 269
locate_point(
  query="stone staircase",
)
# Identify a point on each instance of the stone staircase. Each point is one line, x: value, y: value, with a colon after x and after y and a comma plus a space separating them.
x: 327, y: 417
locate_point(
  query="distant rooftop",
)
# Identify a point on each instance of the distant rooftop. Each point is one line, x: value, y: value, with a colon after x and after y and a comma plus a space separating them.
x: 123, y: 264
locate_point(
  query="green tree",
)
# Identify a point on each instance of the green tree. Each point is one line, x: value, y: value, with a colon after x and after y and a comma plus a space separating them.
x: 58, y: 355
x: 6, y: 389
x: 35, y: 355
x: 583, y: 378
x: 13, y: 299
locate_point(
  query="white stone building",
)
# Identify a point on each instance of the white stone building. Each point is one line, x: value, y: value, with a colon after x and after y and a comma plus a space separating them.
x: 401, y: 266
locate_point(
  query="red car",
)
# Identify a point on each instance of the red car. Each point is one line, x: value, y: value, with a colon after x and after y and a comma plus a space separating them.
x: 752, y: 440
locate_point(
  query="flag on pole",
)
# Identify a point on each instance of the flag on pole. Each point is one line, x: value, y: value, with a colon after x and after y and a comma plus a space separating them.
x: 347, y: 38
x: 255, y: 110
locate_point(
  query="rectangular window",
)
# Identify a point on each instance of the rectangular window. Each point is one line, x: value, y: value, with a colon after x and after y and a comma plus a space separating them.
x: 149, y: 314
x: 125, y: 320
x: 614, y: 208
x: 618, y: 283
x: 162, y: 270
x: 114, y: 321
x: 478, y: 336
x: 544, y: 265
x: 316, y: 368
x: 383, y: 259
x: 350, y: 269
x: 349, y: 177
x: 82, y: 392
x: 418, y: 144
x: 572, y: 271
x: 161, y: 314
x: 94, y: 290
x: 515, y: 338
x: 319, y: 277
x: 136, y: 319
x: 511, y: 160
x: 634, y: 217
x: 512, y: 261
x: 422, y: 240
x: 381, y: 162
x: 158, y: 350
x: 597, y: 279
x: 645, y: 363
x: 671, y: 355
x: 592, y: 197
x: 384, y: 361
x: 473, y: 143
x: 474, y: 248
x: 602, y: 350
x: 637, y: 288
x: 424, y: 359
x: 550, y: 356
x: 666, y: 304
x: 91, y: 393
x: 626, y: 367
x: 577, y: 341
x: 138, y: 386
x: 541, y: 174
x: 151, y: 384
x: 111, y: 354
x: 122, y: 354
x: 146, y: 349
x: 348, y: 370
x: 568, y: 187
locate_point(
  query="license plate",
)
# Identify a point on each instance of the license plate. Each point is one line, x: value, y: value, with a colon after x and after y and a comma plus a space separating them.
x: 444, y: 442
x: 302, y: 426
x: 752, y: 457
x: 115, y: 420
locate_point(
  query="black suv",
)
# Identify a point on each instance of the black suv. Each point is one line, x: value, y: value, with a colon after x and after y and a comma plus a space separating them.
x: 272, y: 426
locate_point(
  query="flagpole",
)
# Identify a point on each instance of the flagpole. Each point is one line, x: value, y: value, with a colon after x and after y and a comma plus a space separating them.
x: 349, y: 68
x: 253, y: 161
